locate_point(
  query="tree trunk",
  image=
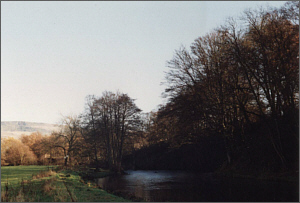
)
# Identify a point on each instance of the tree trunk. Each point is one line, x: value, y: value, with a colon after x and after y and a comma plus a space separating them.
x: 66, y: 161
x: 96, y: 158
x: 276, y: 147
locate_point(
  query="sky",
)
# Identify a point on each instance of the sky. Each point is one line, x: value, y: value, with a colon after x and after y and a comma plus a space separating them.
x: 55, y: 53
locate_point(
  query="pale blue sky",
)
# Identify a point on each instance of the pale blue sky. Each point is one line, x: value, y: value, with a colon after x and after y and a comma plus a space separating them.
x: 54, y: 54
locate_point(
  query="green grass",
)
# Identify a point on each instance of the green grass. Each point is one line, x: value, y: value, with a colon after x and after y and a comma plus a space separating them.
x: 88, y: 192
x: 15, y: 174
x: 63, y: 186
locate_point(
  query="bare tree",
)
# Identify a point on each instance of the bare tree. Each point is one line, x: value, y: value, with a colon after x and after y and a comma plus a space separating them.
x: 67, y: 138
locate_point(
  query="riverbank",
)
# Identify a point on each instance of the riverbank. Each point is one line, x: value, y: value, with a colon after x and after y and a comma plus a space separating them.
x: 51, y: 186
x: 89, y: 177
x: 288, y: 176
x: 205, y: 156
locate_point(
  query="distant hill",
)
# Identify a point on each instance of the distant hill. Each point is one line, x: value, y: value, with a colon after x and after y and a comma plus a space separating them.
x: 17, y: 128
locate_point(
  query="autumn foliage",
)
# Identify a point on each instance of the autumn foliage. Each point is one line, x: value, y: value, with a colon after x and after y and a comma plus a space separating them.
x: 14, y: 152
x: 239, y: 82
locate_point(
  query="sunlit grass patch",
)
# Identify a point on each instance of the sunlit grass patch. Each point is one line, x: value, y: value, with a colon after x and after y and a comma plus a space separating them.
x: 15, y: 174
x: 49, y: 186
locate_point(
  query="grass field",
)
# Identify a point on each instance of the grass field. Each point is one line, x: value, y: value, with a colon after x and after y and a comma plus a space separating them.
x: 38, y: 184
x: 15, y: 174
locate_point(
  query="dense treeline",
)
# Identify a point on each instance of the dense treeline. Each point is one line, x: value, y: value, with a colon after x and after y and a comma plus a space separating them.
x: 207, y: 155
x: 242, y: 82
x: 239, y: 83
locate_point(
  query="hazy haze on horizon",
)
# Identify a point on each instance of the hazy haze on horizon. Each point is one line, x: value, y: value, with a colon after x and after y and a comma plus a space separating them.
x: 55, y: 53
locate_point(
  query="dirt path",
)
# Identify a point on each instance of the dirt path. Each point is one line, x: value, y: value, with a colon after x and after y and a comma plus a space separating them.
x: 69, y: 191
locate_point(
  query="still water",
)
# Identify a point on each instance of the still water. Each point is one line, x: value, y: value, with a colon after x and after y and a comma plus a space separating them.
x: 175, y: 186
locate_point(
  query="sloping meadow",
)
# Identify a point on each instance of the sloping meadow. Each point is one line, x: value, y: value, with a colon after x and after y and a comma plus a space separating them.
x: 49, y: 184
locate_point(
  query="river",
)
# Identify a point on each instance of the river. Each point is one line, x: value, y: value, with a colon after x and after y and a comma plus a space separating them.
x: 175, y: 186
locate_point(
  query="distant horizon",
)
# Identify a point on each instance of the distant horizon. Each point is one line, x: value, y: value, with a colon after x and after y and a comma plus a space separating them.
x: 30, y: 122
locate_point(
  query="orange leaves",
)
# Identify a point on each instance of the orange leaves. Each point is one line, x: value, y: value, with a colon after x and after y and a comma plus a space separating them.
x: 16, y: 153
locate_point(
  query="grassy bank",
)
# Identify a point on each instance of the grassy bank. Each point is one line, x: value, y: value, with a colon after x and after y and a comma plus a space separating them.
x: 15, y: 174
x: 19, y: 184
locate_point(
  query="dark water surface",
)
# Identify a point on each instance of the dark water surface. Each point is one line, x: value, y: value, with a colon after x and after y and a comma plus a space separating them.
x: 160, y: 186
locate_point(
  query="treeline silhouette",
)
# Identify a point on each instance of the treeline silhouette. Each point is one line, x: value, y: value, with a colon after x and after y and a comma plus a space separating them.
x: 205, y: 156
x: 232, y: 103
x: 240, y: 81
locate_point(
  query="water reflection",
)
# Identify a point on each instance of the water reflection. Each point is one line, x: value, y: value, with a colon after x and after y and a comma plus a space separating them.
x: 159, y: 186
